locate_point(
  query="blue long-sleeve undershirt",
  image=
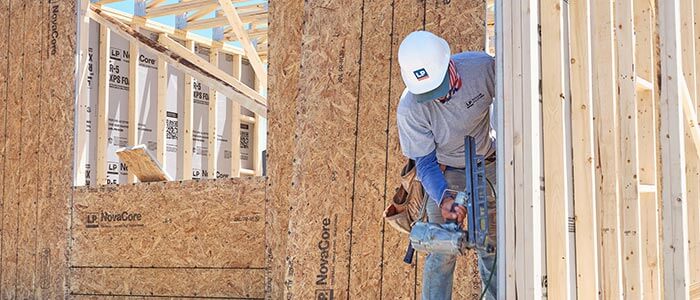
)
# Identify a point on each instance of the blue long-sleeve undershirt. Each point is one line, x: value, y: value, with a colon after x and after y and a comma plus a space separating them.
x: 429, y: 173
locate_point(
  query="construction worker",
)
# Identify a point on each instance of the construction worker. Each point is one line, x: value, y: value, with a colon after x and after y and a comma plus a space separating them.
x: 447, y: 97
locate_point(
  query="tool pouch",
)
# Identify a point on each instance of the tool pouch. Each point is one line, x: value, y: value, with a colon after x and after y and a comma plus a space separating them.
x: 408, y: 204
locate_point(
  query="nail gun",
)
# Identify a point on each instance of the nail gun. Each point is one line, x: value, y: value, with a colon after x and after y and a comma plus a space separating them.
x: 451, y: 238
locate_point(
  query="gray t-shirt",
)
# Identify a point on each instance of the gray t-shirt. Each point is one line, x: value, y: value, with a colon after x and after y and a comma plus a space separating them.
x: 424, y: 127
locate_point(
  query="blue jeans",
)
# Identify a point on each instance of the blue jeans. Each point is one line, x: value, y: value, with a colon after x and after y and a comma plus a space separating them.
x: 439, y: 268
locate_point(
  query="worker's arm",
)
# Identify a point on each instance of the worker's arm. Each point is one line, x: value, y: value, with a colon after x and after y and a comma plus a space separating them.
x: 431, y: 177
x: 434, y: 183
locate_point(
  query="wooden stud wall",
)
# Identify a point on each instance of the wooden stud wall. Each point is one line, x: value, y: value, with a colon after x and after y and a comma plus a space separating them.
x: 348, y: 55
x: 629, y: 206
x: 181, y: 57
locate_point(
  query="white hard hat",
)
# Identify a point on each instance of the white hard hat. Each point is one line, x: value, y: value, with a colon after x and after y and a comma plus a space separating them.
x: 424, y: 58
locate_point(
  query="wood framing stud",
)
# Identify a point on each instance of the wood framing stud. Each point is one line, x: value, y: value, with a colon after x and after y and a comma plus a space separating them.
x: 102, y: 98
x: 587, y: 285
x: 212, y: 151
x: 132, y: 131
x: 676, y: 278
x: 557, y: 190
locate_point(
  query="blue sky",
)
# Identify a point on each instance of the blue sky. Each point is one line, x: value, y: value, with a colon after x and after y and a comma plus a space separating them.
x: 128, y: 7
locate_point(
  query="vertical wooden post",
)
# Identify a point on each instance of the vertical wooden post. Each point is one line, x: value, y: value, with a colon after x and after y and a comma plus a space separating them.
x: 187, y: 117
x: 557, y: 189
x: 645, y: 65
x: 83, y: 98
x: 506, y: 188
x: 674, y: 219
x: 583, y: 159
x: 257, y: 136
x: 102, y: 99
x: 692, y: 173
x: 132, y: 131
x: 520, y: 160
x: 235, y: 113
x: 606, y: 146
x: 162, y: 99
x: 629, y: 180
x: 212, y: 128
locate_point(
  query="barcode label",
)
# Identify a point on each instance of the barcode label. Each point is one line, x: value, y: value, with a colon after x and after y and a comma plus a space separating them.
x: 171, y: 129
x: 245, y: 138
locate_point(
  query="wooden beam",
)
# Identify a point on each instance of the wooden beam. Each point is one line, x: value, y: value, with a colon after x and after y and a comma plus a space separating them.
x: 154, y: 3
x: 192, y: 65
x: 102, y: 99
x: 583, y: 159
x: 222, y: 21
x: 606, y: 148
x: 103, y: 2
x: 169, y: 30
x: 676, y: 276
x: 688, y: 53
x: 530, y: 204
x: 178, y: 8
x: 235, y: 113
x: 132, y: 130
x: 629, y: 166
x: 645, y: 67
x: 507, y: 225
x: 258, y: 135
x: 258, y: 101
x: 200, y: 13
x: 82, y: 145
x: 557, y: 190
x: 695, y: 291
x: 643, y: 84
x: 162, y: 100
x: 692, y: 161
x: 250, y: 51
x: 691, y: 118
x: 212, y: 153
x: 187, y: 123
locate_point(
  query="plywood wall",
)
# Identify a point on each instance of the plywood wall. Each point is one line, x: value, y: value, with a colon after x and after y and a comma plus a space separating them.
x: 172, y: 239
x: 334, y: 155
x: 37, y: 46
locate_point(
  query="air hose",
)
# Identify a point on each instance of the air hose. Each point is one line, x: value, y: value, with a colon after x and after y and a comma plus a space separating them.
x: 495, y: 258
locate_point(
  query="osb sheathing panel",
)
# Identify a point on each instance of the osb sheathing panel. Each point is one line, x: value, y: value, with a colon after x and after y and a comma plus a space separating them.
x: 13, y: 154
x: 37, y: 42
x: 460, y: 22
x: 409, y: 15
x: 200, y: 283
x: 283, y: 71
x: 322, y: 194
x: 370, y: 162
x: 364, y: 258
x: 207, y: 223
x: 29, y: 141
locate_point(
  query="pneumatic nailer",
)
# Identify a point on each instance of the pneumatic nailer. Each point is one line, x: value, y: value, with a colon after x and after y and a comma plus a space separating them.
x: 452, y: 238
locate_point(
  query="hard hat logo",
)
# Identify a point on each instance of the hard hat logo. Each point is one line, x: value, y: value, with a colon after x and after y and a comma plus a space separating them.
x: 421, y: 74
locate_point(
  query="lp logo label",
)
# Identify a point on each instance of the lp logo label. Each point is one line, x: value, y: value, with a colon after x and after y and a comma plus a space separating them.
x: 92, y: 220
x: 421, y: 74
x: 325, y: 294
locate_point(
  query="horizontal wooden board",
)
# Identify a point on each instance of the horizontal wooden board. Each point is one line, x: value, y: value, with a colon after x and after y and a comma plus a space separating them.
x: 200, y: 283
x: 208, y: 223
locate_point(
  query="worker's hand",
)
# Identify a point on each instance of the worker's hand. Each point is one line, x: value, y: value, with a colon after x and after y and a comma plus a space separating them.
x: 459, y: 212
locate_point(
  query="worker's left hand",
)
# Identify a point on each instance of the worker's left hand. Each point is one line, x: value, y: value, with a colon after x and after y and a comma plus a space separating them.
x: 459, y: 212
